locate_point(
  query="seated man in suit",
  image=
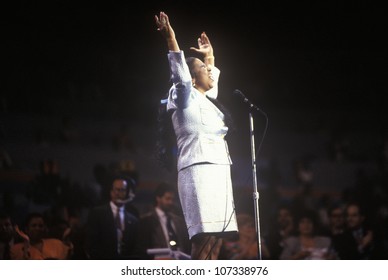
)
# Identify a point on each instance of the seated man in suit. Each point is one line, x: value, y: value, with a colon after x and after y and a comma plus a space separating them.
x: 111, y: 229
x: 161, y: 227
x: 357, y: 242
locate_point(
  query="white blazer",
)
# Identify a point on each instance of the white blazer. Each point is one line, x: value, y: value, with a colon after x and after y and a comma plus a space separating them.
x: 199, y: 125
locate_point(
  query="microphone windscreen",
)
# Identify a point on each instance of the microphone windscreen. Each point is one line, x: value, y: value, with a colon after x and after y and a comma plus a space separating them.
x: 239, y: 93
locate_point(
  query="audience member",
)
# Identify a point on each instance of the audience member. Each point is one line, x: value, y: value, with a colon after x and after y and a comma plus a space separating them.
x: 58, y: 228
x: 282, y: 228
x: 336, y: 220
x: 245, y: 246
x: 111, y: 229
x: 162, y: 227
x: 357, y: 241
x: 304, y: 174
x: 307, y: 245
x: 36, y: 245
x: 7, y: 236
x: 336, y: 226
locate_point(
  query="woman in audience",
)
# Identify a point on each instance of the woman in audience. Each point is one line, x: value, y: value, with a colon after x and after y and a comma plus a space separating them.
x: 36, y: 246
x: 306, y: 245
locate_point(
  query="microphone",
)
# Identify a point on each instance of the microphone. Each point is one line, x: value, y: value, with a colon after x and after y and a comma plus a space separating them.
x: 246, y: 100
x: 238, y: 92
x: 131, y: 196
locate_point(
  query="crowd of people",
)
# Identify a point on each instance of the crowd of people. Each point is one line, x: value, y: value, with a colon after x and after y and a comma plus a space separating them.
x: 349, y: 235
x: 346, y: 228
x: 70, y: 221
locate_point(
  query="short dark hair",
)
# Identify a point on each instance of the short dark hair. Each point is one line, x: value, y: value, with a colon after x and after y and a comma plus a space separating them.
x: 34, y: 215
x: 190, y: 63
x: 163, y: 188
x: 311, y: 215
x: 335, y: 206
x: 131, y: 183
x: 361, y: 208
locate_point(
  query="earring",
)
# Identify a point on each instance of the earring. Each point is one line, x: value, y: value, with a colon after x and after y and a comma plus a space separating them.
x: 193, y: 84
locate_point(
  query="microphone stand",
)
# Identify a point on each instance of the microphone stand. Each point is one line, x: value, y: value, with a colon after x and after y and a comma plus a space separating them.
x: 254, y: 174
x: 255, y: 188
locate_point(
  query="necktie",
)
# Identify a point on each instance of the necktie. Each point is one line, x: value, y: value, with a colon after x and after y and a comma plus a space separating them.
x: 118, y: 220
x: 119, y: 227
x: 173, y: 240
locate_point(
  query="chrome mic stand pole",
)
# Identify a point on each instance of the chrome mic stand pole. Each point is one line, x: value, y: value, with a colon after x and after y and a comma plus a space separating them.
x: 255, y: 188
x: 253, y: 152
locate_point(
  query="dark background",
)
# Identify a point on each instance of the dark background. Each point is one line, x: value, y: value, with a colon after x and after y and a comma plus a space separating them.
x: 325, y: 59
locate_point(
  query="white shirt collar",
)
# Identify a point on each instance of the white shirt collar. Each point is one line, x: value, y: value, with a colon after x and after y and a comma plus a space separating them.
x: 161, y: 214
x: 114, y: 207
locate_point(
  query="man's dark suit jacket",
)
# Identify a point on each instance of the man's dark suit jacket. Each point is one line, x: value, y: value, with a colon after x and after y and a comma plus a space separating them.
x: 101, y: 236
x: 152, y: 236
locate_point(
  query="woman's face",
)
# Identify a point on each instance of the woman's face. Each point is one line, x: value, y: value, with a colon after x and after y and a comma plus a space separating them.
x: 6, y: 230
x: 306, y: 226
x: 36, y: 228
x: 203, y: 78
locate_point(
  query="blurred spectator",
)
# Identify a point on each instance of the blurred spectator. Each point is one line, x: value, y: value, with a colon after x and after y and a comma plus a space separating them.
x: 162, y: 227
x: 282, y: 227
x: 74, y: 232
x: 306, y: 244
x: 111, y: 229
x: 336, y: 217
x: 357, y: 241
x: 7, y: 236
x: 304, y: 199
x: 245, y: 246
x: 336, y: 226
x: 303, y: 172
x: 36, y: 245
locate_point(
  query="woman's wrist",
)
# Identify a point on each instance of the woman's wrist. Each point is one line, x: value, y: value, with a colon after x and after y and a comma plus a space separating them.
x: 209, y: 59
